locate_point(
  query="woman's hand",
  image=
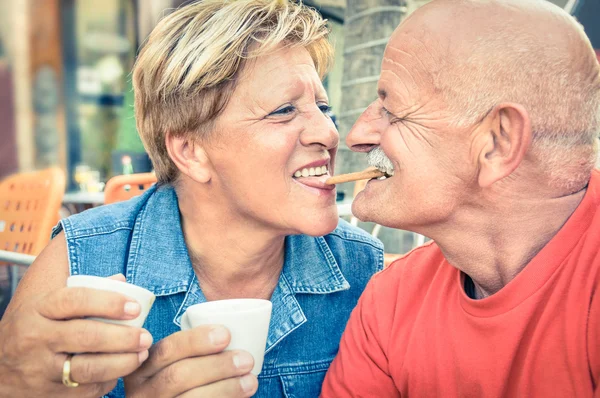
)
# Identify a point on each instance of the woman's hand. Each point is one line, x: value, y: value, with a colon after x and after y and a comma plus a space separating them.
x: 192, y: 363
x: 36, y: 337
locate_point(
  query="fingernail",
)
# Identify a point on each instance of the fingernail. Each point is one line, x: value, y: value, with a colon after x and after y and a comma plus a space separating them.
x: 132, y: 308
x: 142, y: 356
x: 218, y: 335
x: 248, y: 383
x: 243, y: 360
x: 145, y: 340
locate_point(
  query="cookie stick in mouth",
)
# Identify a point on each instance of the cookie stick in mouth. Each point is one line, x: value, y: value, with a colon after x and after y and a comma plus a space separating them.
x: 367, y: 174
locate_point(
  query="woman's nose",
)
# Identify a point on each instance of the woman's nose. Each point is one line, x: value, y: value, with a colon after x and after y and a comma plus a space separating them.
x: 366, y: 132
x: 321, y: 131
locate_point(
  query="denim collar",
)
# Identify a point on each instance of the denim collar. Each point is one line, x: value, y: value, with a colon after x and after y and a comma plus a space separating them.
x: 159, y: 261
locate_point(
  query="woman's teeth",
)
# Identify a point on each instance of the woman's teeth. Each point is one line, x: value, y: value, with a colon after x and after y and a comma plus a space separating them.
x: 311, y: 172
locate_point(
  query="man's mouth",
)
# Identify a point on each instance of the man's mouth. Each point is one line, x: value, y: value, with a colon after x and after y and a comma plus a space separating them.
x: 378, y: 159
x: 389, y: 173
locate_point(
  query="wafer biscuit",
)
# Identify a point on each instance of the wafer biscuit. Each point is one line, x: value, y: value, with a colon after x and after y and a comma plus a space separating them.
x: 366, y: 174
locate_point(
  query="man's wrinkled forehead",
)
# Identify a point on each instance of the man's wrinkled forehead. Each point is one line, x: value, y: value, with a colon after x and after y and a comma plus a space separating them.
x: 411, y: 59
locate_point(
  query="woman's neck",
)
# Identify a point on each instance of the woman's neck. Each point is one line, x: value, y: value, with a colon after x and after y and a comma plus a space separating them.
x: 231, y: 258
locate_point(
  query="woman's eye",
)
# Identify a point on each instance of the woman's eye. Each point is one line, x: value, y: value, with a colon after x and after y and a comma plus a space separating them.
x: 326, y: 109
x: 283, y: 111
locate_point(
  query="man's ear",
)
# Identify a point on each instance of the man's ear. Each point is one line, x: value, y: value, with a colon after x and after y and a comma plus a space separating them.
x: 190, y: 157
x: 505, y: 139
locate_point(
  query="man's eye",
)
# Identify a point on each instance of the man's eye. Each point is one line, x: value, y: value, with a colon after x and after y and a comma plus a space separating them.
x: 283, y: 111
x: 326, y: 109
x: 393, y: 119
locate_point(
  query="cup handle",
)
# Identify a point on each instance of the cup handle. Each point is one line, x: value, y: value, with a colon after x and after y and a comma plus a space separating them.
x: 185, y: 322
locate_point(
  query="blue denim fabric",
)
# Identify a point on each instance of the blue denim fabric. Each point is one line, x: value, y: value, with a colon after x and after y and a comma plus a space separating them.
x: 321, y: 281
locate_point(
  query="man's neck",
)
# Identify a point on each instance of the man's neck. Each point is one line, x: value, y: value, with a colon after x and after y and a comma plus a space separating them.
x: 231, y: 258
x: 492, y: 244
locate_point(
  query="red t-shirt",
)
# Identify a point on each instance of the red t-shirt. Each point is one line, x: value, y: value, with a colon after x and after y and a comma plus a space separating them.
x: 415, y: 333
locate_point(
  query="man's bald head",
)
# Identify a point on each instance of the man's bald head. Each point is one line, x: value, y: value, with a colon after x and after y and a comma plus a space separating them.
x: 477, y: 54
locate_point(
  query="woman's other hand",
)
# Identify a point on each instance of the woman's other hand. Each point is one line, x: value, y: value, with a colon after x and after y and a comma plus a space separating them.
x: 192, y: 363
x: 40, y: 328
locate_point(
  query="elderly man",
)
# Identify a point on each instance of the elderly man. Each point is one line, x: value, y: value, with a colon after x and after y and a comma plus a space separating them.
x: 487, y: 121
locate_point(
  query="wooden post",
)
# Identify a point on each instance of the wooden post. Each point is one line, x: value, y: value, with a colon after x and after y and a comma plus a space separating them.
x: 41, y: 136
x: 46, y: 68
x: 8, y: 146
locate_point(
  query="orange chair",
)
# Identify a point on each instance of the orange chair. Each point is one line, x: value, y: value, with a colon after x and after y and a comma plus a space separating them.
x: 124, y: 187
x: 29, y: 208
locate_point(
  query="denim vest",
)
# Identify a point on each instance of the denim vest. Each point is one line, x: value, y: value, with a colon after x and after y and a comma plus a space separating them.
x: 321, y: 281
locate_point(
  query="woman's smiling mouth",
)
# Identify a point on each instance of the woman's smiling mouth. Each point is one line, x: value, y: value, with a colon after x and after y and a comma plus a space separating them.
x: 311, y: 172
x: 314, y: 175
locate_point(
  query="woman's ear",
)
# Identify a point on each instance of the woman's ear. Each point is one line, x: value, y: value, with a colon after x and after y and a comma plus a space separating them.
x: 504, y: 141
x: 190, y: 157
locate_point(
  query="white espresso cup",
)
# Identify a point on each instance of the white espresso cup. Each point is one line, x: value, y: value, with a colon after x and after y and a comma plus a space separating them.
x: 247, y: 320
x: 144, y: 297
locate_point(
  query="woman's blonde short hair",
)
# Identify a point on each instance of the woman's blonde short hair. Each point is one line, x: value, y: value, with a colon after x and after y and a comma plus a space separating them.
x: 188, y: 69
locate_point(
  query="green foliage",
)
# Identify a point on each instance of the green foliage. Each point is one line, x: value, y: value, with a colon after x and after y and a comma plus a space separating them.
x: 127, y: 135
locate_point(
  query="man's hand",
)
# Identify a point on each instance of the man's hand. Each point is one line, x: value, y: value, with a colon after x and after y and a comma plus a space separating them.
x: 37, y: 336
x: 192, y: 363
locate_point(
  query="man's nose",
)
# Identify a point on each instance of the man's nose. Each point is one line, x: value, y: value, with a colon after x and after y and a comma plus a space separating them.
x: 320, y: 130
x: 366, y: 132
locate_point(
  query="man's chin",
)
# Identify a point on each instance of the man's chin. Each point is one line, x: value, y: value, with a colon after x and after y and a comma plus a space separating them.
x: 362, y: 211
x: 367, y: 212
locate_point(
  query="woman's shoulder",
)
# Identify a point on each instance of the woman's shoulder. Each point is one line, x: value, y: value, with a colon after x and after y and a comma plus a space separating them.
x: 354, y: 248
x: 104, y: 219
x: 349, y: 234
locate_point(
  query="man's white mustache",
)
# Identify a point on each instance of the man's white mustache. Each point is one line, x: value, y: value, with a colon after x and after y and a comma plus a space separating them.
x: 377, y: 158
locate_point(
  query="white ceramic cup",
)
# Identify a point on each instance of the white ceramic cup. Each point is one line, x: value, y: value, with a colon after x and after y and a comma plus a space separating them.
x: 144, y: 297
x: 247, y: 320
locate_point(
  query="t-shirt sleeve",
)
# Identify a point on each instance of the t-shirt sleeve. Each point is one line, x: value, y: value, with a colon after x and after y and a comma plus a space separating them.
x: 360, y: 368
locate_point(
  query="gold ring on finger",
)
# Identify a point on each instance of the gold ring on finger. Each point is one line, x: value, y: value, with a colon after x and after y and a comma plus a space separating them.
x: 66, y: 373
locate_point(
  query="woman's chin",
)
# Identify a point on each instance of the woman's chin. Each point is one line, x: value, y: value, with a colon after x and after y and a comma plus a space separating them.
x: 320, y: 227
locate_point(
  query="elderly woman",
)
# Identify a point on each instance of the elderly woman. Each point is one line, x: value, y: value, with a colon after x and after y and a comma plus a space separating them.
x: 231, y: 109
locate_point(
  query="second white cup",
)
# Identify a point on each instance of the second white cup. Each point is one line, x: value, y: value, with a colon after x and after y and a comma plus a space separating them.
x: 247, y: 320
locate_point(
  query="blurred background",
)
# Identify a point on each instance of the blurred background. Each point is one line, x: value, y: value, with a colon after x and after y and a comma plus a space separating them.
x: 66, y: 98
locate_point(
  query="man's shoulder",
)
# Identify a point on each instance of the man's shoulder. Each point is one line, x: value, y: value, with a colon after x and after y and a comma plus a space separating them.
x: 395, y: 296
